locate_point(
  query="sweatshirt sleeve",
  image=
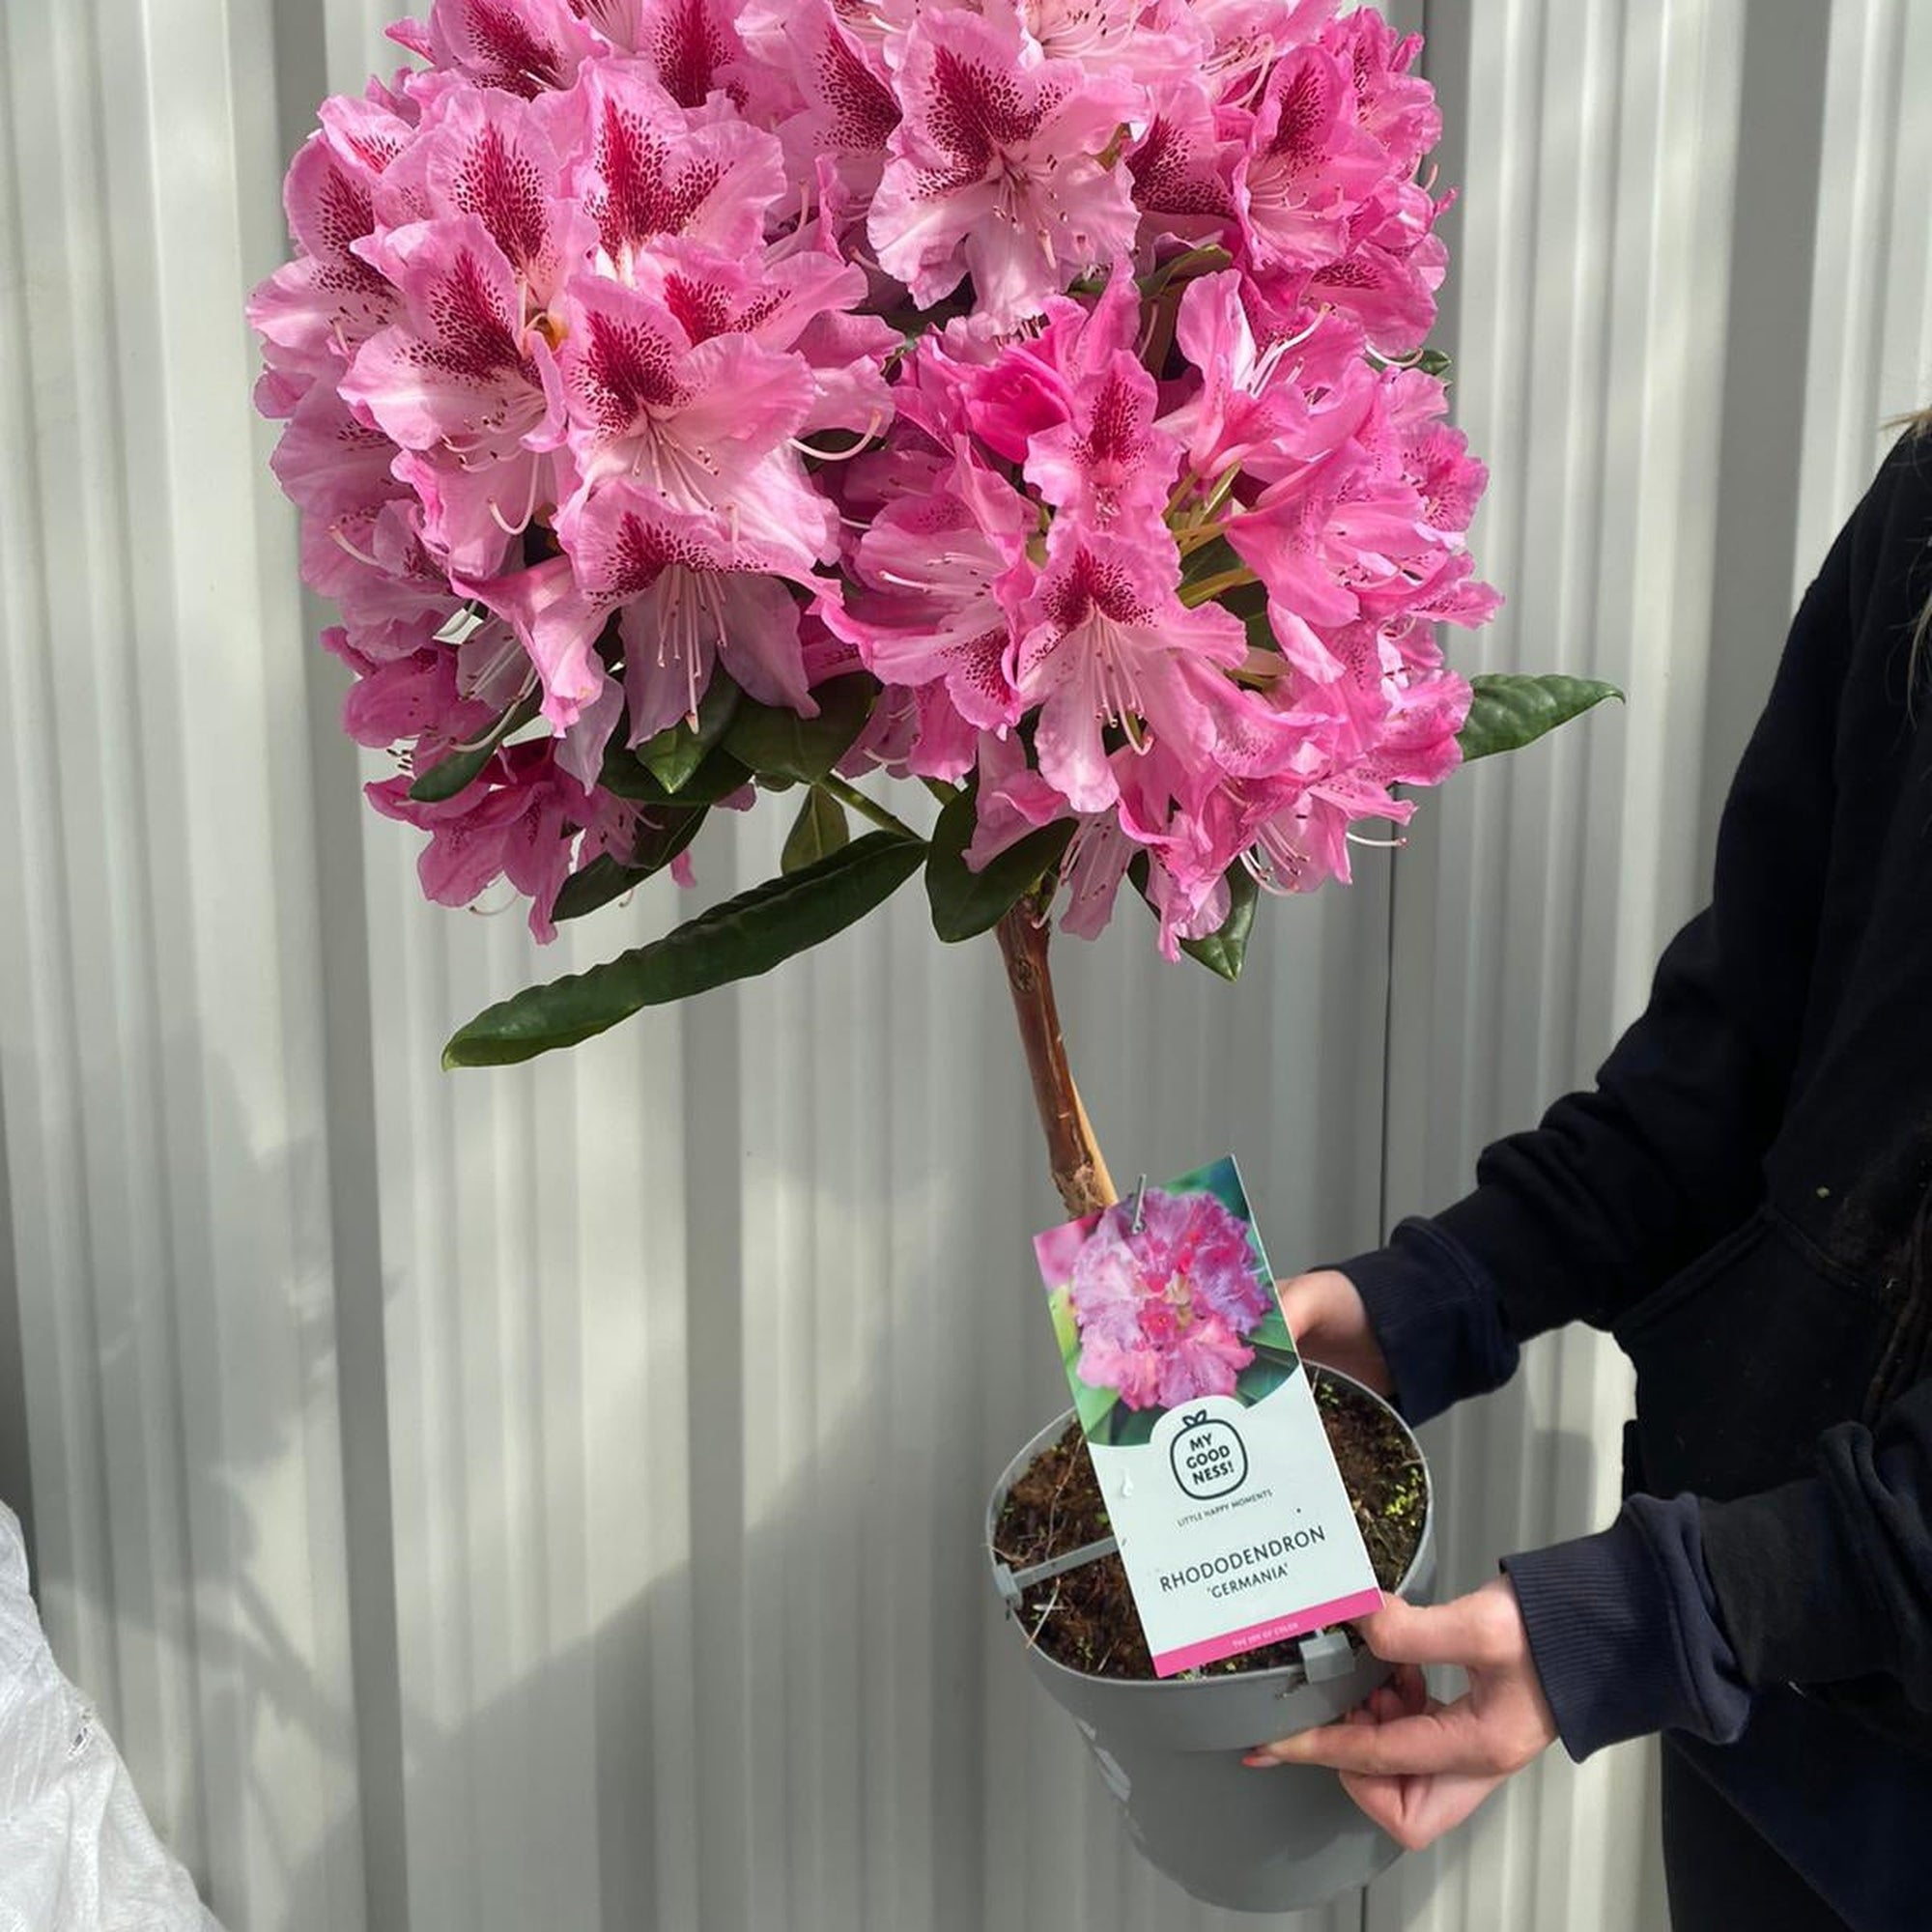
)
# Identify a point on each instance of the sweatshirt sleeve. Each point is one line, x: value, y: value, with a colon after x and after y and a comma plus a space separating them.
x: 1829, y: 1577
x: 1438, y: 1317
x: 1626, y: 1633
x: 1680, y: 1611
x: 1623, y: 1184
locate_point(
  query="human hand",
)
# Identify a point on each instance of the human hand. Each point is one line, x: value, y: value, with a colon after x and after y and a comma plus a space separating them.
x: 1326, y: 1315
x: 1418, y: 1766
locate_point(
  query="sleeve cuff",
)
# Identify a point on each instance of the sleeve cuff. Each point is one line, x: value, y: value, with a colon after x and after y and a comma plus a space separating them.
x: 1625, y: 1633
x: 1793, y: 1586
x: 1436, y: 1314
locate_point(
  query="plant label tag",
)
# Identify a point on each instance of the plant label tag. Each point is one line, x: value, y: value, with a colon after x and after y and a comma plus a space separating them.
x: 1221, y: 1488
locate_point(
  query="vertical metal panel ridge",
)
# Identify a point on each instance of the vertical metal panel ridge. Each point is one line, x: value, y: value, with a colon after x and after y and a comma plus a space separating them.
x: 51, y: 1231
x: 299, y: 36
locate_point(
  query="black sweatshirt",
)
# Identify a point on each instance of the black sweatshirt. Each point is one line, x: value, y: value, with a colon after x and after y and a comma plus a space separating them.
x: 1737, y: 1202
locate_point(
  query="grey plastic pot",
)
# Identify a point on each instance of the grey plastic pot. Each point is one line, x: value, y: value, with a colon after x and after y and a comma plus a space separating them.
x: 1171, y: 1752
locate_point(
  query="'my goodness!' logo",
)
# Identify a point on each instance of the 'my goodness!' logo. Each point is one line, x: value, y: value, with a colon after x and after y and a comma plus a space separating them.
x: 1209, y: 1457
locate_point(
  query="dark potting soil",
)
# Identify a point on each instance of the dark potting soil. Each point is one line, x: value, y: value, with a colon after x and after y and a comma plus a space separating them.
x: 1085, y: 1618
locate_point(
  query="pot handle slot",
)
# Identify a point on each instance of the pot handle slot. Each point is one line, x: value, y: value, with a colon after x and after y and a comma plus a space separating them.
x: 1013, y: 1585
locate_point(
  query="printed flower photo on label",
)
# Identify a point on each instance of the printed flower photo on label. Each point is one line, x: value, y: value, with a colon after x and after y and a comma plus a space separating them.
x: 1161, y: 1299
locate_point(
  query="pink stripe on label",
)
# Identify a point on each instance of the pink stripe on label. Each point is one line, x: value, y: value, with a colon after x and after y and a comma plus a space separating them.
x: 1211, y: 1650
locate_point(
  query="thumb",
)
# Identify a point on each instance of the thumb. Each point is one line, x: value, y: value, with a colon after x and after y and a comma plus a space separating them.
x: 1463, y: 1632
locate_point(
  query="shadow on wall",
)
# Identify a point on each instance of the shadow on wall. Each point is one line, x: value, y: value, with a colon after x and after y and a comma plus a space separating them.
x: 918, y: 1780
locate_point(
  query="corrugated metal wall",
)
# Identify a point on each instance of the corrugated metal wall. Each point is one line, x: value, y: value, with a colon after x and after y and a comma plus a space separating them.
x: 551, y: 1496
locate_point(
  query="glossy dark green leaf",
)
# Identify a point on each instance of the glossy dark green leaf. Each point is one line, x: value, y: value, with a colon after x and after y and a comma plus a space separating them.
x: 678, y: 752
x: 1226, y: 949
x: 593, y: 886
x: 1510, y: 710
x: 736, y: 939
x: 448, y: 776
x: 718, y: 776
x: 781, y: 744
x: 605, y: 879
x: 965, y: 902
x: 1128, y: 1428
x: 820, y: 829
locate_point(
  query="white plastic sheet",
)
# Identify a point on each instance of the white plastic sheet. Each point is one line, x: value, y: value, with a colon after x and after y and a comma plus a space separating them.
x: 77, y: 1852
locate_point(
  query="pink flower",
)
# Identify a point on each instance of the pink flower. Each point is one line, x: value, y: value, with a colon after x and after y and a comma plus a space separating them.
x: 1181, y: 166
x: 1307, y: 164
x: 464, y: 385
x: 313, y: 314
x: 692, y: 45
x: 523, y: 46
x: 685, y: 596
x: 797, y: 304
x: 707, y: 427
x: 407, y: 698
x: 519, y: 820
x: 1107, y: 463
x: 1162, y: 1310
x: 933, y: 566
x: 486, y: 154
x: 1251, y: 401
x: 1105, y: 642
x: 850, y: 110
x: 645, y: 167
x: 1000, y: 170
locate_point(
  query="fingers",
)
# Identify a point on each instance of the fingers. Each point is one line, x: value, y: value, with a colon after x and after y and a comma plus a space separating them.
x: 1438, y: 1740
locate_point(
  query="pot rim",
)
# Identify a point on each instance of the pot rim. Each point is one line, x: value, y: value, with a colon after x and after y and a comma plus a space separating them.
x: 1274, y: 1673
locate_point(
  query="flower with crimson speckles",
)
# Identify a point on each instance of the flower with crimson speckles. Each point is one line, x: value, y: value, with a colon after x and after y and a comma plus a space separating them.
x: 1004, y: 169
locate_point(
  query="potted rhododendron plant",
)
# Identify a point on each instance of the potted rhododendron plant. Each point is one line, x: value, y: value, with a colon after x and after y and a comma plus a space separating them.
x: 696, y: 402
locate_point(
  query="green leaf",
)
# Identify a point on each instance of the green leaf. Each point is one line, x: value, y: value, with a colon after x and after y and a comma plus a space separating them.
x: 743, y: 937
x: 820, y: 829
x: 781, y: 744
x: 626, y: 774
x: 1511, y: 710
x: 1128, y: 1428
x: 1259, y: 1377
x: 1202, y: 260
x: 448, y: 776
x: 593, y: 886
x: 605, y: 879
x: 1212, y: 559
x: 676, y: 752
x: 1271, y: 1334
x: 965, y: 902
x: 1224, y: 949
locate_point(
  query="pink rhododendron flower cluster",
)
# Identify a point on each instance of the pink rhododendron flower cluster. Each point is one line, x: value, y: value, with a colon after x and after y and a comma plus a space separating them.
x: 1162, y: 1310
x: 1053, y: 368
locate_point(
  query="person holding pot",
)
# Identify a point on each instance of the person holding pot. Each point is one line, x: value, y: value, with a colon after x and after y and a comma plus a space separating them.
x: 1745, y: 1202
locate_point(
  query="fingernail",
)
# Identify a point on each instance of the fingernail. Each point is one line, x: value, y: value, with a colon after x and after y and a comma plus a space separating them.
x: 1259, y: 1761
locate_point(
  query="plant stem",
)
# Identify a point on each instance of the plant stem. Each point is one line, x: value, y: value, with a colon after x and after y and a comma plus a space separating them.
x: 1079, y: 1172
x: 851, y: 797
x: 1208, y: 588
